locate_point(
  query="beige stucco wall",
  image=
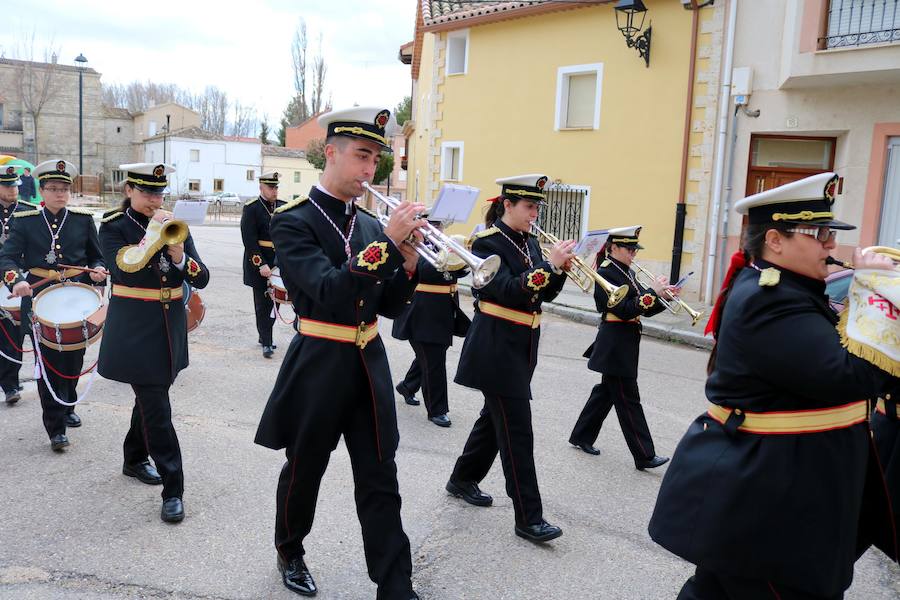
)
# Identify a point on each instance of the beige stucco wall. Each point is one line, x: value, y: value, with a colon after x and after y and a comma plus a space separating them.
x: 288, y: 189
x: 828, y: 100
x: 181, y: 117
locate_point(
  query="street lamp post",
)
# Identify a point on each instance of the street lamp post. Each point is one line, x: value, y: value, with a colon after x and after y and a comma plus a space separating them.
x: 81, y: 60
x: 165, y: 135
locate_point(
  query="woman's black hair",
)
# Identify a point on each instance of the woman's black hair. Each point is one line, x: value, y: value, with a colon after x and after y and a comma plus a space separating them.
x: 496, y: 209
x: 753, y: 241
x: 126, y: 202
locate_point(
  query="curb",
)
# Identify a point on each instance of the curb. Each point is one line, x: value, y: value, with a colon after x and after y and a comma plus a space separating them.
x: 666, y: 333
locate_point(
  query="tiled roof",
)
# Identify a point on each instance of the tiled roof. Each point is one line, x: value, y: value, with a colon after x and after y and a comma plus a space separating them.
x: 269, y: 150
x: 444, y: 11
x: 113, y: 112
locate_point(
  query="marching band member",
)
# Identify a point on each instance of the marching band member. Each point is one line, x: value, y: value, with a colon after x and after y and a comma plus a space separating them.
x: 11, y: 337
x: 145, y: 336
x: 500, y: 353
x: 38, y: 241
x: 342, y: 271
x: 615, y: 353
x: 259, y: 254
x: 430, y: 321
x: 766, y: 489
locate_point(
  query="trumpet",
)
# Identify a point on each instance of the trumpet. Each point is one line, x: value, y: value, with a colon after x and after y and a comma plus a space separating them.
x: 134, y: 258
x: 674, y: 305
x: 892, y: 253
x: 439, y: 249
x: 581, y: 273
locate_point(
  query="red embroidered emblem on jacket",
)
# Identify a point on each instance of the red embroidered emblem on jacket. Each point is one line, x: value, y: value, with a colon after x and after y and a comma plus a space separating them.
x: 538, y: 279
x: 372, y: 256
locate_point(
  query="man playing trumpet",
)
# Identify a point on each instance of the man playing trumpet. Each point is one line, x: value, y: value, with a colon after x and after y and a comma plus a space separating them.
x: 615, y: 352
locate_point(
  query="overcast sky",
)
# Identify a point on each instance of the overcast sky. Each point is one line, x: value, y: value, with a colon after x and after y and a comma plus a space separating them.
x: 244, y: 48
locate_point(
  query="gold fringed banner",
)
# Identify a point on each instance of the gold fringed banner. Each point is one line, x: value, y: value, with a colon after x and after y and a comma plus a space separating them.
x: 870, y: 324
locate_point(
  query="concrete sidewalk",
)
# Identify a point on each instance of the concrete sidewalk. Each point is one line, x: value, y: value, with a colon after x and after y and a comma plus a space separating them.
x: 575, y: 305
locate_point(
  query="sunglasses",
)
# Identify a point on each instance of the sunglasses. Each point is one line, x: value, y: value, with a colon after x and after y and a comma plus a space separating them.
x: 821, y: 234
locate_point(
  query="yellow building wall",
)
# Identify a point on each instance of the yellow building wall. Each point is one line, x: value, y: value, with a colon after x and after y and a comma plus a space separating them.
x: 420, y: 143
x: 288, y: 189
x: 503, y: 109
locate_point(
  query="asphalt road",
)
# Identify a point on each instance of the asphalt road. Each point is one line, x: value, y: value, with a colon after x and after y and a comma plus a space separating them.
x: 74, y: 527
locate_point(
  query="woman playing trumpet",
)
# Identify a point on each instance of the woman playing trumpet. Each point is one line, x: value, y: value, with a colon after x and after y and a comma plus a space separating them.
x: 500, y: 353
x: 615, y: 352
x: 145, y: 339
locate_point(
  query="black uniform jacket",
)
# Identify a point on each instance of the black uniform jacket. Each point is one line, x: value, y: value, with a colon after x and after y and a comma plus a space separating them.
x: 29, y: 244
x: 431, y: 318
x: 616, y: 348
x: 886, y: 429
x: 780, y: 507
x: 326, y: 287
x: 6, y: 214
x: 145, y: 341
x: 255, y: 220
x: 499, y: 356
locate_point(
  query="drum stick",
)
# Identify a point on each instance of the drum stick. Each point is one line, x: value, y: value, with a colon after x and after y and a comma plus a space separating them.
x: 36, y: 284
x: 103, y: 271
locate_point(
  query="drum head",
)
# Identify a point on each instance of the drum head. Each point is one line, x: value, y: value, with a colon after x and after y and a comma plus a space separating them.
x: 66, y: 303
x: 187, y: 291
x: 14, y: 303
x: 277, y: 282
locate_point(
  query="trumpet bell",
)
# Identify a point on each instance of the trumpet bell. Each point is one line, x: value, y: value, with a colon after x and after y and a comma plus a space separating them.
x: 134, y: 258
x: 485, y: 271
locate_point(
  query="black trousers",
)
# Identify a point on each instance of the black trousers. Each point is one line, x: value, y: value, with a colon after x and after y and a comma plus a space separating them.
x: 621, y: 392
x: 262, y: 306
x: 68, y: 363
x: 505, y: 426
x: 9, y: 370
x: 707, y: 585
x: 429, y: 371
x: 152, y: 434
x: 376, y: 493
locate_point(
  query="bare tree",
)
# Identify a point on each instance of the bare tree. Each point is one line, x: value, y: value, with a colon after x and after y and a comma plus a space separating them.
x: 244, y: 123
x: 212, y: 105
x: 318, y: 69
x: 36, y: 83
x: 299, y: 57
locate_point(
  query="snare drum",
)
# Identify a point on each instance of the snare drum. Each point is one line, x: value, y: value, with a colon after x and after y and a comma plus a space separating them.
x: 194, y: 309
x: 70, y: 316
x: 10, y: 308
x: 277, y: 289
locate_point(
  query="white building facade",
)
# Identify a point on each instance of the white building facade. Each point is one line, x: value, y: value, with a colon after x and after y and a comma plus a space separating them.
x: 207, y: 163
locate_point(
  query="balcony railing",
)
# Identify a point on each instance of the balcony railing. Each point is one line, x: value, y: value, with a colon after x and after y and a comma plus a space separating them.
x: 861, y: 22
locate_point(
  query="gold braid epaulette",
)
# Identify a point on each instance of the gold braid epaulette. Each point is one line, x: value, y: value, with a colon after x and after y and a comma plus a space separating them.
x: 367, y: 211
x: 80, y: 211
x: 249, y: 202
x: 481, y: 234
x: 290, y: 205
x: 111, y: 215
x: 27, y: 213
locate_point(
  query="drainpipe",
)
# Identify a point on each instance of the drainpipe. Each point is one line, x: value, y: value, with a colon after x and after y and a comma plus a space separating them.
x: 681, y: 206
x: 721, y: 147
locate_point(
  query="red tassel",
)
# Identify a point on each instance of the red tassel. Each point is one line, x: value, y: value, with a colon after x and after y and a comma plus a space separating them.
x: 738, y: 262
x: 494, y: 199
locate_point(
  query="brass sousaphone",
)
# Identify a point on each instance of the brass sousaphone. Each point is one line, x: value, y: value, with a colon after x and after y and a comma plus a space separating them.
x: 134, y: 258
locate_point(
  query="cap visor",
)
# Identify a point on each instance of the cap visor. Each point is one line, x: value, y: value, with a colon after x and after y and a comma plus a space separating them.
x: 384, y: 147
x: 832, y: 223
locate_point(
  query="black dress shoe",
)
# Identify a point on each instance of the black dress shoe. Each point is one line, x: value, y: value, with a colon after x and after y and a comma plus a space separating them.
x: 587, y: 448
x: 296, y: 576
x: 143, y: 472
x: 73, y: 420
x: 12, y: 396
x: 541, y: 532
x: 654, y: 462
x: 441, y: 420
x: 407, y: 397
x: 58, y: 442
x: 274, y: 347
x: 172, y: 510
x: 268, y: 351
x: 469, y: 491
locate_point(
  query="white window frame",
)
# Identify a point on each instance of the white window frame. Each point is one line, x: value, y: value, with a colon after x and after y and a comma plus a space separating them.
x: 464, y: 33
x: 192, y: 153
x: 450, y: 146
x: 562, y: 94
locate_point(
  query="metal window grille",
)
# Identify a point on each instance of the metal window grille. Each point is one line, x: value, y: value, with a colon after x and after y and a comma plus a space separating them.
x: 860, y: 22
x: 563, y: 214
